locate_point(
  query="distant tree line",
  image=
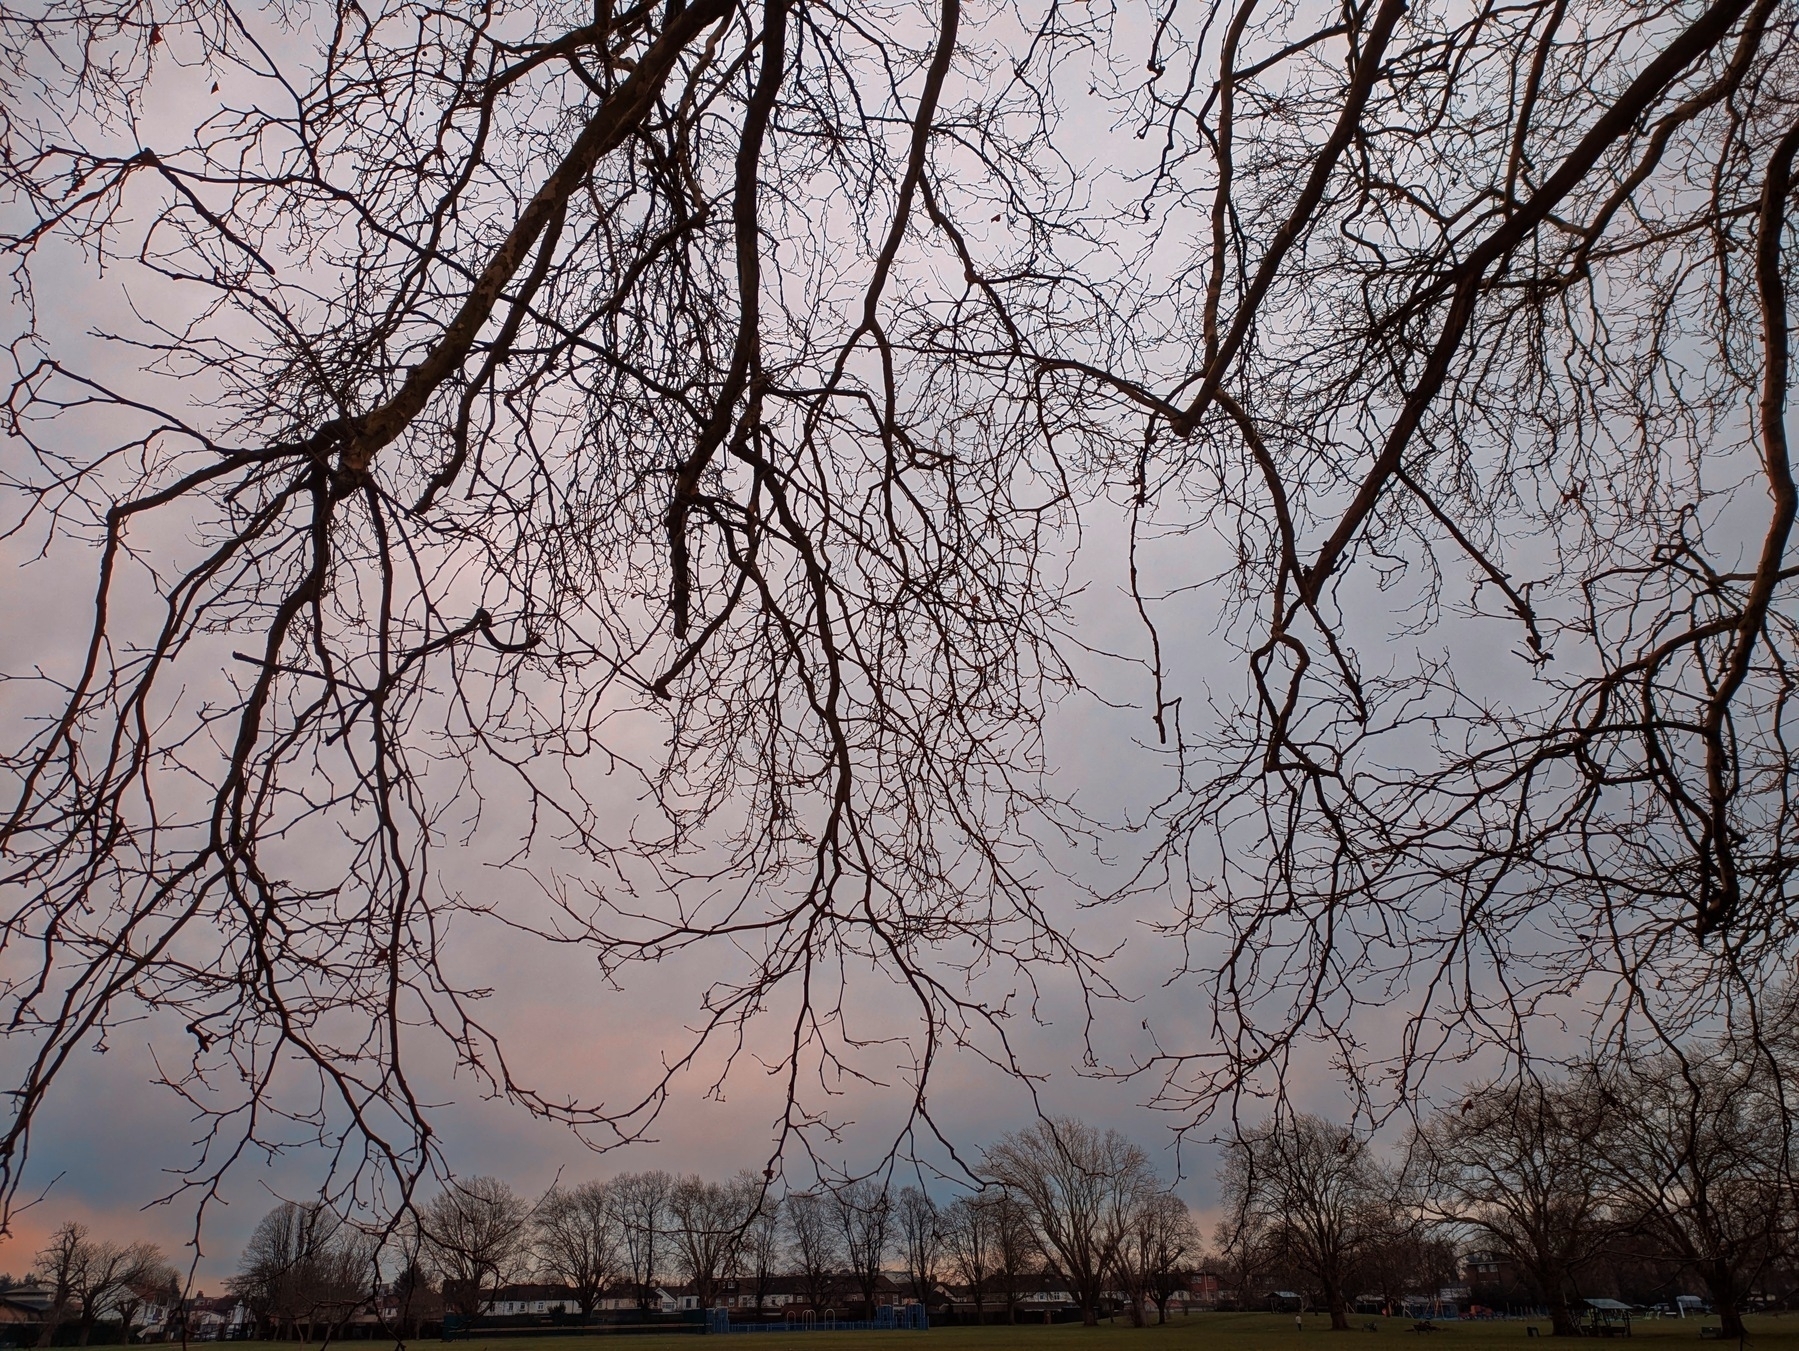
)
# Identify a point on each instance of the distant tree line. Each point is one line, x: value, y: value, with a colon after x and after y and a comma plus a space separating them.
x: 1645, y: 1176
x: 1061, y: 1198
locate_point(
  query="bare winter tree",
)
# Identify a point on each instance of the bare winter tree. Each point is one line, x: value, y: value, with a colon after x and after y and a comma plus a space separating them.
x: 110, y: 1280
x: 709, y: 1220
x: 764, y: 1247
x: 816, y: 1244
x: 92, y: 1279
x: 154, y: 1281
x: 302, y: 1266
x: 577, y: 1240
x: 1082, y: 1188
x: 476, y: 1233
x: 1245, y: 1251
x: 1471, y: 362
x: 864, y: 1209
x: 1017, y: 1246
x: 1697, y: 1152
x: 921, y: 1240
x: 1519, y: 1168
x: 476, y: 435
x: 642, y: 1200
x: 1130, y: 1273
x: 1161, y: 1248
x: 58, y: 1267
x: 1404, y: 1256
x: 969, y: 1240
x: 1319, y: 1192
x: 498, y: 392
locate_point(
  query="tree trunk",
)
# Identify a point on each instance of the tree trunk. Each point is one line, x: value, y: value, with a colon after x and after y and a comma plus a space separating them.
x: 1561, y: 1317
x: 1723, y: 1289
x: 1732, y: 1319
x: 1339, y: 1308
x: 52, y: 1321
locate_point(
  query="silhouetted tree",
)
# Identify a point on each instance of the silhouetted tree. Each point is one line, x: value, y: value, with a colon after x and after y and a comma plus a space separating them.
x: 1017, y: 1246
x: 1082, y: 1188
x: 969, y: 1240
x: 1244, y: 1255
x: 813, y: 1231
x: 1697, y: 1154
x: 763, y: 1243
x: 1318, y: 1191
x: 1517, y: 1168
x: 475, y: 1233
x: 642, y: 1200
x: 300, y: 1263
x: 1160, y: 1249
x: 921, y: 1237
x: 708, y: 1221
x: 577, y: 1240
x: 92, y: 1279
x: 864, y: 1211
x: 58, y: 1268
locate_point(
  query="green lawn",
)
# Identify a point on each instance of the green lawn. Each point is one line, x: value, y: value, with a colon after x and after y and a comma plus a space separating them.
x: 1201, y: 1332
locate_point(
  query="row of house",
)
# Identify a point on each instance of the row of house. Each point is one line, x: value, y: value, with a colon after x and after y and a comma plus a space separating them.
x: 1031, y: 1296
x: 24, y: 1309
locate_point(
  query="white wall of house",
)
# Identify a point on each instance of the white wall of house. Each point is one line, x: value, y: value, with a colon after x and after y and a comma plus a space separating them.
x: 502, y: 1307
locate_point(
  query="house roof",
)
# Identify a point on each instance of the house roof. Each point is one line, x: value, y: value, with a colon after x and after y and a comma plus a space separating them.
x: 1608, y: 1305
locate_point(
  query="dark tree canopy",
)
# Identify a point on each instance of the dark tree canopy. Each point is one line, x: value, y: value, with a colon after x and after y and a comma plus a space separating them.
x: 1321, y: 1197
x: 518, y: 400
x: 1516, y: 1168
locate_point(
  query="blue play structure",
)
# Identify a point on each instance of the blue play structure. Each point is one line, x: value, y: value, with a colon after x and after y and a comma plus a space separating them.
x: 888, y: 1318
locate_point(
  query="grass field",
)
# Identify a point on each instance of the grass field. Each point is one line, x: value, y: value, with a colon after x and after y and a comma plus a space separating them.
x: 1201, y: 1332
